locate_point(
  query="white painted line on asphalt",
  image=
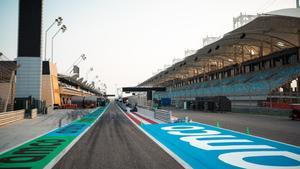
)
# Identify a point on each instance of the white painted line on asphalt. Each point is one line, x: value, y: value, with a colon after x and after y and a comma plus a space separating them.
x: 52, y: 163
x: 150, y: 118
x: 173, y: 155
x: 140, y: 119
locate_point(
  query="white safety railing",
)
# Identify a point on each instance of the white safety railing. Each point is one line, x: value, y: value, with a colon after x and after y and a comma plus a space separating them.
x: 163, y: 115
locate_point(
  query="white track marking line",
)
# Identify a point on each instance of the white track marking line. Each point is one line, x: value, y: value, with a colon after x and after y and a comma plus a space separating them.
x: 167, y: 150
x: 52, y: 163
x: 140, y: 119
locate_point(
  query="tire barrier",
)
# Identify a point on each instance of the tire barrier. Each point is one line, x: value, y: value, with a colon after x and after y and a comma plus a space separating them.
x: 11, y: 116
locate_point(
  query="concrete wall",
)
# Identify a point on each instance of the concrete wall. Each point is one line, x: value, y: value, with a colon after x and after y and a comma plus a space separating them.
x: 34, y: 113
x: 11, y: 116
x: 7, y: 93
x: 55, y: 87
x: 261, y: 111
x: 47, y: 90
x: 4, y: 87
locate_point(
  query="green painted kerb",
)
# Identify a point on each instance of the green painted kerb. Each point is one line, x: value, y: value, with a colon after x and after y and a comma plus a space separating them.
x: 35, y: 154
x: 86, y: 120
x: 39, y: 152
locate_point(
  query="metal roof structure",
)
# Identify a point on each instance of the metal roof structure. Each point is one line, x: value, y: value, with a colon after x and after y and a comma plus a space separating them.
x: 6, y: 70
x: 78, y: 82
x: 268, y: 33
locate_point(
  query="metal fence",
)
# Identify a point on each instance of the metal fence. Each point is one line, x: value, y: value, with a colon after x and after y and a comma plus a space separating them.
x: 163, y: 115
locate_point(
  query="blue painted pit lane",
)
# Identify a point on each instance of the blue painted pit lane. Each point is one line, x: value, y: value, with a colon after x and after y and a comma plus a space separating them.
x: 204, y: 146
x: 73, y: 129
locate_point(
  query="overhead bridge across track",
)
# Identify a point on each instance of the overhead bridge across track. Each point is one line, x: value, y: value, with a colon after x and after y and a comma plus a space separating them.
x: 109, y: 95
x: 144, y: 89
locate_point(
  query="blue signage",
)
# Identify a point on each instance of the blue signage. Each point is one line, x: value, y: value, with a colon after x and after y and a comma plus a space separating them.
x: 204, y: 146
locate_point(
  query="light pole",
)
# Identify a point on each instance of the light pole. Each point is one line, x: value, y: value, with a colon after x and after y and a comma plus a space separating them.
x: 95, y: 78
x: 87, y: 73
x: 77, y: 61
x: 104, y: 87
x: 2, y: 55
x: 59, y: 22
x: 63, y: 29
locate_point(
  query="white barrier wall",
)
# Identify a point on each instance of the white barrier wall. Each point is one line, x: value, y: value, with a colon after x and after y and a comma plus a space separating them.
x: 139, y: 99
x: 11, y: 116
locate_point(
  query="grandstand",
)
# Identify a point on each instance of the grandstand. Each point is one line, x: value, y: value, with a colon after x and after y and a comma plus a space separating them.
x: 255, y: 65
x: 7, y: 85
x: 57, y: 89
x: 73, y: 91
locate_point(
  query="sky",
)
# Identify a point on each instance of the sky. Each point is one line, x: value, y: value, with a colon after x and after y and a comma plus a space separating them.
x: 126, y: 41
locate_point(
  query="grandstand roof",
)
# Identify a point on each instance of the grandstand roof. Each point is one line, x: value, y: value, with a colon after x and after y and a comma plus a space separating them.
x: 77, y: 82
x: 6, y: 69
x: 291, y: 12
x: 267, y: 33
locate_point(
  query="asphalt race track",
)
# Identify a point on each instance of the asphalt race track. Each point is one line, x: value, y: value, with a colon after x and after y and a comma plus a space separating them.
x: 114, y: 142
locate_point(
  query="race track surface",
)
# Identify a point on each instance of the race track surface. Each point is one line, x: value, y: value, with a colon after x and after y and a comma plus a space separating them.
x: 114, y: 142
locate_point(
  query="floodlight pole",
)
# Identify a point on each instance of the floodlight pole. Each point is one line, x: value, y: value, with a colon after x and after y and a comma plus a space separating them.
x: 59, y: 22
x: 77, y: 61
x: 63, y: 29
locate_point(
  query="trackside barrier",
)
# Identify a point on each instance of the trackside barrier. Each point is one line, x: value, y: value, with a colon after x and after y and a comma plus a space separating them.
x: 11, y: 116
x: 69, y: 106
x: 145, y: 107
x: 34, y: 113
x: 166, y: 116
x: 163, y: 115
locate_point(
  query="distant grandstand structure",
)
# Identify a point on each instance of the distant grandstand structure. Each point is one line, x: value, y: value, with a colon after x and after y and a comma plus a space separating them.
x: 242, y: 19
x: 255, y: 65
x: 58, y: 90
x: 7, y: 84
x: 189, y: 52
x: 209, y: 40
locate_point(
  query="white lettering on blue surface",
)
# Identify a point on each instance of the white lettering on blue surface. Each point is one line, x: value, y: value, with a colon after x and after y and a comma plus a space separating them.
x: 204, y: 144
x: 182, y: 128
x: 237, y: 159
x: 233, y: 158
x: 206, y: 132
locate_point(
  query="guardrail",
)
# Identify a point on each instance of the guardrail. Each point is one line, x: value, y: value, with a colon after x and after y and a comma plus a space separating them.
x: 163, y: 115
x: 11, y: 116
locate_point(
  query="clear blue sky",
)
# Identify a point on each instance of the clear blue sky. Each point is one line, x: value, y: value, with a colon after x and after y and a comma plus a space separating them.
x: 127, y: 40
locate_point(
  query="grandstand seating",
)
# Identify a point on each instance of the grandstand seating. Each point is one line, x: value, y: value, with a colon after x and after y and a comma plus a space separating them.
x: 6, y: 68
x: 254, y: 83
